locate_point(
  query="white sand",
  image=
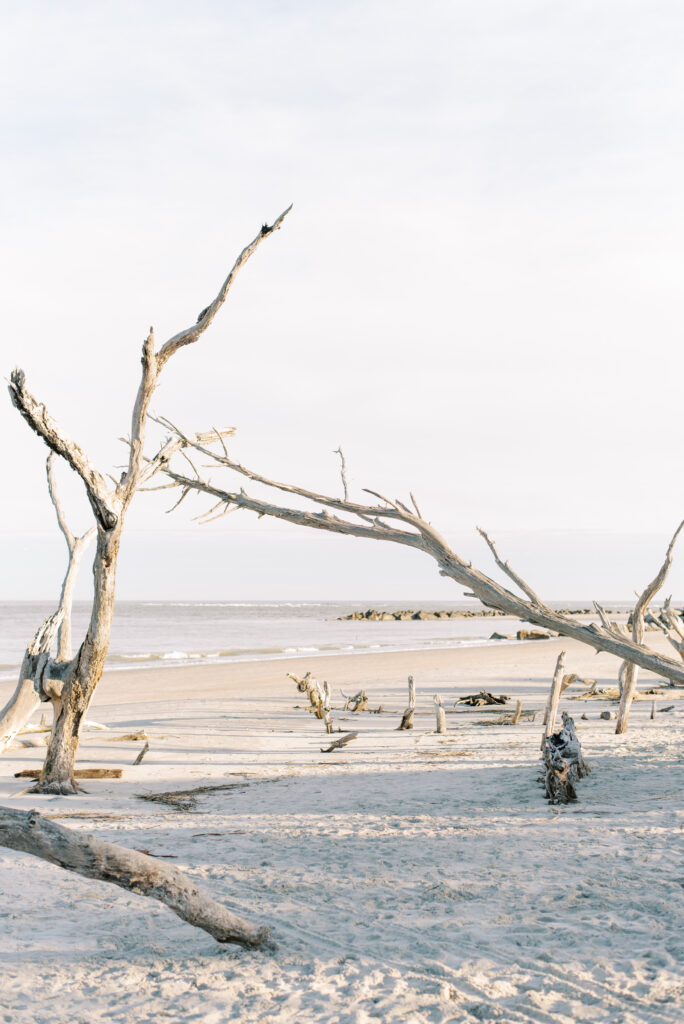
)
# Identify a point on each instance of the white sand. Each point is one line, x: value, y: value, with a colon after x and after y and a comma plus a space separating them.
x: 408, y: 877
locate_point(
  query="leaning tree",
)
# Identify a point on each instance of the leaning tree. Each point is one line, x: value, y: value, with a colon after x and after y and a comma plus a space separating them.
x: 67, y: 682
x: 396, y: 522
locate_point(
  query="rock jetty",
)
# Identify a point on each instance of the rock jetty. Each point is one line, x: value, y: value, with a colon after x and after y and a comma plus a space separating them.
x: 406, y: 615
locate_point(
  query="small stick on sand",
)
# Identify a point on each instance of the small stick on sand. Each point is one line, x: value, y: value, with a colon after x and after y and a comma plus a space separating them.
x: 142, y: 753
x: 343, y: 740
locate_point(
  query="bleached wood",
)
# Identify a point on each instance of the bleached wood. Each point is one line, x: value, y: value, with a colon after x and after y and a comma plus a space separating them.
x: 630, y: 669
x: 394, y: 523
x: 71, y: 684
x: 85, y: 855
x: 554, y: 697
x: 407, y: 717
x: 440, y: 722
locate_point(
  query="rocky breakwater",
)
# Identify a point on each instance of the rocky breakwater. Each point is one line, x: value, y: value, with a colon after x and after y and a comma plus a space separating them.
x: 407, y: 615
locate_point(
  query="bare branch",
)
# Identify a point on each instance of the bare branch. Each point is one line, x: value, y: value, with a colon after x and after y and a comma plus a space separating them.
x: 36, y: 415
x: 191, y: 334
x: 505, y: 568
x: 343, y: 472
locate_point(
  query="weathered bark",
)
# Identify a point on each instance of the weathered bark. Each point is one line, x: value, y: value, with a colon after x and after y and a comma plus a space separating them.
x: 379, y: 522
x: 407, y: 717
x: 564, y: 763
x: 29, y: 832
x: 551, y: 709
x: 70, y: 685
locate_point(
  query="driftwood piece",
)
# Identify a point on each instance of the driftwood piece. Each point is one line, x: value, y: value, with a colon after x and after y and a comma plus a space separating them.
x: 482, y: 699
x: 79, y: 773
x: 142, y: 753
x: 518, y: 712
x: 185, y: 799
x: 358, y: 702
x: 29, y: 832
x: 554, y: 696
x: 343, y: 740
x: 440, y: 724
x: 407, y: 717
x: 563, y: 762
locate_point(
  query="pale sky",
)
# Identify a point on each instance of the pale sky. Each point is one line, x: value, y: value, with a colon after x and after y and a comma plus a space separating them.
x: 477, y: 292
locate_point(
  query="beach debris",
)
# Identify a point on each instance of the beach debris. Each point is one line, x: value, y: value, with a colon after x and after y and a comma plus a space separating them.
x: 31, y: 833
x: 341, y: 742
x: 440, y: 726
x: 563, y: 762
x: 407, y: 717
x: 142, y: 753
x: 532, y: 634
x: 481, y: 699
x: 607, y: 715
x: 670, y: 707
x: 315, y: 692
x: 185, y: 799
x: 518, y: 712
x: 652, y: 710
x: 79, y: 773
x: 554, y: 696
x: 129, y: 737
x: 359, y: 702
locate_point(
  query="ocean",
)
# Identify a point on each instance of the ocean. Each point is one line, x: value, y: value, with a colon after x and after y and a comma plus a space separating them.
x: 161, y: 633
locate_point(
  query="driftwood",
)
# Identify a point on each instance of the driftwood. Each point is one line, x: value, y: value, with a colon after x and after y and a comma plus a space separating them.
x: 407, y: 717
x: 359, y: 702
x: 79, y: 773
x: 317, y: 694
x: 142, y: 753
x: 563, y: 763
x: 393, y: 521
x: 29, y: 832
x: 482, y: 699
x: 518, y: 712
x: 554, y: 696
x: 440, y: 724
x: 70, y: 683
x: 343, y: 740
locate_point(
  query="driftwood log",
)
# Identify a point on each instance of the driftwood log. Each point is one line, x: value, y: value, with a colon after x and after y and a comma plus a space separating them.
x: 563, y: 763
x: 407, y: 717
x: 29, y: 832
x: 440, y: 717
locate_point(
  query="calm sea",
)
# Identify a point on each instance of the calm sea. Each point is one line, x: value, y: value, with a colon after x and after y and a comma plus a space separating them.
x: 160, y: 633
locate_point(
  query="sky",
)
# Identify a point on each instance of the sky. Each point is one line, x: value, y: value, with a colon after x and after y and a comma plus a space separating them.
x: 477, y: 292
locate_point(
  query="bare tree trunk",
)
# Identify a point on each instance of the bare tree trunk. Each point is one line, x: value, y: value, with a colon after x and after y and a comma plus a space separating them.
x: 70, y: 684
x: 36, y: 664
x: 29, y: 832
x: 631, y: 670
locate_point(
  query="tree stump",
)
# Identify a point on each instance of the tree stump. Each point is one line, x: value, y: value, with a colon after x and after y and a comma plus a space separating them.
x: 563, y: 762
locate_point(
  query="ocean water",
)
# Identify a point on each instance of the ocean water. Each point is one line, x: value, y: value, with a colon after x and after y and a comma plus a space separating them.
x: 160, y: 633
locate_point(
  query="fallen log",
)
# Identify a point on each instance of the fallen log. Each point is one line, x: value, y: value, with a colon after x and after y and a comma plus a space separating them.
x: 79, y: 773
x: 31, y: 833
x: 481, y: 699
x: 407, y: 717
x: 563, y: 763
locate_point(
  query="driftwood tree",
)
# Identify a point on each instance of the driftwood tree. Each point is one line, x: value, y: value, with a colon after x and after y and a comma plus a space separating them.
x: 397, y: 522
x: 69, y: 682
x: 30, y: 687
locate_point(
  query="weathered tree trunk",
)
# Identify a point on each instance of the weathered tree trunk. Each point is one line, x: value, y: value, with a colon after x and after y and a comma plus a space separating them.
x: 440, y: 717
x: 631, y: 669
x: 407, y: 717
x: 70, y: 684
x: 29, y: 832
x: 36, y: 664
x: 564, y: 763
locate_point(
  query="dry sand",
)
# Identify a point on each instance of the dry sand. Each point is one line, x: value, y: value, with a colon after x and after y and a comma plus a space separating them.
x: 408, y: 877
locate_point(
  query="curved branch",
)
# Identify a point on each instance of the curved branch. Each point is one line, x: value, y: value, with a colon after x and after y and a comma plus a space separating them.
x: 511, y: 573
x: 36, y: 415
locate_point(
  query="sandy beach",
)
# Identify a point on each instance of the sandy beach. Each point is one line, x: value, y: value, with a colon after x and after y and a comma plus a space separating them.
x: 406, y: 877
